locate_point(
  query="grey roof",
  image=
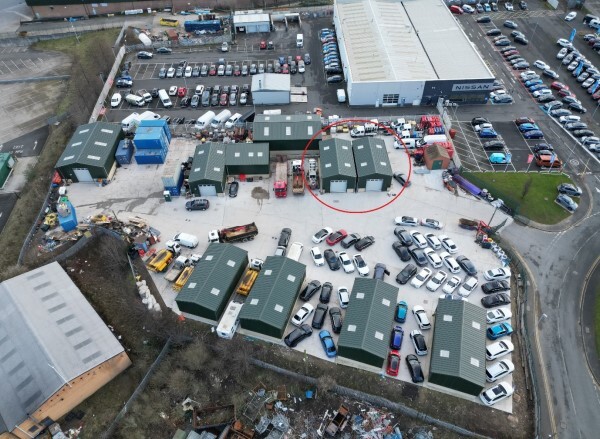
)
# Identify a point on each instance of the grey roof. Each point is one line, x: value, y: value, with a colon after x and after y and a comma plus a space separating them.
x: 371, y: 157
x: 213, y: 280
x: 270, y: 82
x: 49, y: 333
x: 241, y: 18
x: 91, y: 144
x: 368, y: 318
x: 247, y: 154
x: 459, y: 341
x: 336, y: 158
x: 208, y: 162
x: 286, y: 126
x: 403, y: 40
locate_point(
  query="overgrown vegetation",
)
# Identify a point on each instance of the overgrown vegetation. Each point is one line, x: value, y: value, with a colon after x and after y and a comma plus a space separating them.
x: 94, y: 54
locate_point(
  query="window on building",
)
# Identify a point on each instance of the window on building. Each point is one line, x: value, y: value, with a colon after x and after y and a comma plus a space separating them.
x: 33, y: 429
x: 391, y: 99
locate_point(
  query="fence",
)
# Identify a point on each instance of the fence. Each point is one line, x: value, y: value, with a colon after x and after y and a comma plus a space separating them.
x: 99, y: 107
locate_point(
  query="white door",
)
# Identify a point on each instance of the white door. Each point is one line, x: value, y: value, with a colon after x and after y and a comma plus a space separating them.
x: 338, y: 186
x: 207, y: 190
x: 374, y: 185
x: 83, y: 175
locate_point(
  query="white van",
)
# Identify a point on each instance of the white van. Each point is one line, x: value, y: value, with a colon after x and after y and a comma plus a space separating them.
x: 431, y: 139
x: 115, y: 101
x: 187, y: 240
x: 164, y: 98
x: 220, y: 118
x: 135, y: 100
x: 130, y: 122
x: 203, y: 121
x: 299, y: 40
x: 230, y: 321
x: 341, y: 95
x: 410, y: 143
x: 232, y: 120
x: 295, y: 250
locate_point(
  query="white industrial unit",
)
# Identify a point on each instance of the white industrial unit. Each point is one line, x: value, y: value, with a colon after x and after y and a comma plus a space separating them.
x: 251, y: 22
x: 407, y: 52
x: 270, y: 89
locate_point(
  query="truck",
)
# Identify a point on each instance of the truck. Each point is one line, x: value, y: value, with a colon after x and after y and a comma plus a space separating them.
x: 161, y: 260
x: 243, y: 233
x: 131, y: 122
x: 368, y: 129
x: 298, y: 180
x: 281, y: 179
x: 339, y: 421
x: 313, y: 174
x: 433, y: 138
x: 230, y: 321
x: 249, y: 277
x: 183, y: 278
x: 180, y: 263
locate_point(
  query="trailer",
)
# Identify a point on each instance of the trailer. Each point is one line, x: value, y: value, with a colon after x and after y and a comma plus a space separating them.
x: 243, y: 233
x: 298, y: 179
x: 183, y: 278
x: 180, y: 263
x: 281, y: 179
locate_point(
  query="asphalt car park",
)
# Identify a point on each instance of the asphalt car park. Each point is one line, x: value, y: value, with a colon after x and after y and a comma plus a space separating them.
x: 7, y: 202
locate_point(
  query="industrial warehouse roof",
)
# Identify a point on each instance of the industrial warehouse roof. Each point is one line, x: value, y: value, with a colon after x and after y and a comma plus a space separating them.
x: 270, y: 82
x: 459, y: 341
x: 247, y: 154
x: 286, y: 126
x: 91, y: 144
x: 371, y: 157
x: 241, y: 18
x: 208, y: 162
x: 403, y: 40
x: 336, y: 158
x: 49, y: 333
x: 213, y: 280
x: 366, y: 330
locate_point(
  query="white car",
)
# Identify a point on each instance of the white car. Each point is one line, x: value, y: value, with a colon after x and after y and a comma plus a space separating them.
x: 188, y: 72
x: 343, y: 297
x: 436, y: 281
x: 562, y: 53
x: 467, y: 9
x: 450, y: 263
x: 303, y: 314
x: 317, y: 256
x: 361, y: 265
x: 173, y: 90
x: 492, y: 95
x: 564, y: 43
x: 497, y: 274
x: 527, y: 74
x: 509, y: 6
x: 433, y: 257
x: 346, y: 262
x: 498, y: 349
x: 421, y: 317
x: 320, y: 236
x: 468, y: 286
x: 540, y: 64
x: 497, y: 393
x: 433, y: 241
x: 451, y: 285
x: 171, y: 72
x: 570, y: 118
x: 418, y: 341
x: 571, y: 16
x: 406, y: 221
x: 448, y: 244
x: 418, y: 239
x: 421, y: 277
x: 115, y: 100
x: 542, y: 92
x: 434, y: 224
x: 499, y: 370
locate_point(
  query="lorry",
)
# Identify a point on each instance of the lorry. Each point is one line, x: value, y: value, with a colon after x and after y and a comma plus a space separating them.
x: 281, y: 179
x: 298, y: 180
x: 313, y: 174
x: 183, y: 277
x: 180, y: 263
x: 249, y: 277
x: 161, y: 260
x: 368, y: 129
x: 243, y: 233
x: 230, y: 320
x: 339, y: 421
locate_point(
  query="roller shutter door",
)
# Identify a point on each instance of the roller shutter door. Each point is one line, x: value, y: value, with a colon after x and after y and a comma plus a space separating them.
x: 374, y: 185
x: 338, y: 186
x: 206, y: 190
x: 83, y: 175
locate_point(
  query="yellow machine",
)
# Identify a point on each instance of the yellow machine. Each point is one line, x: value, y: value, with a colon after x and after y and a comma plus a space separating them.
x: 183, y: 278
x: 247, y: 281
x: 160, y: 261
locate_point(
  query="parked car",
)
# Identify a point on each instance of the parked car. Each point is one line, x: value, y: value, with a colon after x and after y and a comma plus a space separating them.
x: 319, y: 316
x: 321, y: 235
x: 393, y: 363
x: 327, y: 343
x: 418, y: 341
x: 497, y: 274
x: 297, y: 335
x: 498, y: 349
x: 503, y: 390
x: 396, y: 337
x: 401, y: 311
x: 403, y: 236
x: 495, y: 332
x: 451, y: 285
x: 499, y: 370
x: 498, y: 315
x: 419, y: 256
x: 569, y: 189
x: 310, y: 290
x: 361, y: 265
x: 380, y: 271
x: 496, y: 299
x: 421, y: 277
x: 326, y: 291
x: 331, y: 259
x: 343, y: 297
x: 365, y: 242
x: 468, y: 286
x: 336, y: 237
x: 436, y: 281
x: 303, y: 314
x: 421, y: 317
x: 335, y: 316
x: 495, y: 286
x: 566, y: 202
x: 350, y: 240
x: 466, y: 264
x: 414, y: 367
x: 406, y: 274
x: 197, y: 204
x: 448, y: 244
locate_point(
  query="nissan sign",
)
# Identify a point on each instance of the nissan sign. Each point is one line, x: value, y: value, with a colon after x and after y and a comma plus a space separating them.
x: 473, y: 87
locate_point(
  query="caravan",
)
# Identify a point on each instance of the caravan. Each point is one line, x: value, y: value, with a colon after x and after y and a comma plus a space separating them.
x: 230, y: 321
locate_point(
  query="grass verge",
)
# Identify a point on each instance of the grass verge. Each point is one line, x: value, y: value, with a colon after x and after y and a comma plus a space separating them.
x: 530, y: 194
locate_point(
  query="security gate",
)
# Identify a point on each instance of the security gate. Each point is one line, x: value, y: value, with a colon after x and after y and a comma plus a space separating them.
x: 374, y: 185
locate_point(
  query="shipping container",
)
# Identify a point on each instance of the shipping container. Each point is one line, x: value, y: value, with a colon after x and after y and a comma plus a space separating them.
x: 158, y: 123
x: 150, y: 156
x: 150, y: 138
x: 124, y: 152
x: 67, y: 217
x: 172, y: 177
x: 206, y: 25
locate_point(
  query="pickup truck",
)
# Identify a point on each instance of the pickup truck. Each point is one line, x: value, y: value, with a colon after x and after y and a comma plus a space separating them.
x: 180, y: 263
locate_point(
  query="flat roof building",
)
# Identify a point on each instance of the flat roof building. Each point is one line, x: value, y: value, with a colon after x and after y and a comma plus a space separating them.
x: 287, y: 132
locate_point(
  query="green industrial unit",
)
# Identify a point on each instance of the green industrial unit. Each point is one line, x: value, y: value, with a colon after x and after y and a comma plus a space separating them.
x: 208, y: 175
x: 247, y: 159
x: 458, y: 348
x: 338, y: 173
x: 7, y: 164
x: 287, y: 132
x: 373, y: 168
x: 207, y: 291
x: 90, y: 153
x: 270, y: 303
x: 368, y: 322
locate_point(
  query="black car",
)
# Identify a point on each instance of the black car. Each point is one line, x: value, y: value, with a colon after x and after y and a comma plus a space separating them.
x: 233, y: 189
x: 403, y: 236
x: 401, y: 251
x: 478, y: 121
x: 542, y: 147
x: 307, y: 60
x: 572, y: 126
x: 493, y: 32
x: 419, y: 256
x: 332, y: 259
x: 214, y: 100
x: 484, y: 19
x: 319, y: 316
x: 297, y: 335
x: 523, y: 5
x: 335, y: 315
x: 495, y: 286
x: 399, y: 177
x: 334, y: 79
x: 466, y: 264
x: 163, y: 50
x: 350, y: 240
x: 414, y: 367
x: 185, y: 102
x: 380, y: 271
x: 365, y: 242
x: 510, y: 24
x: 569, y: 189
x: 575, y: 106
x: 326, y: 291
x: 545, y: 98
x: 521, y: 40
x: 284, y: 237
x: 495, y: 300
x: 309, y: 290
x: 583, y: 133
x: 197, y: 204
x: 406, y: 274
x: 144, y: 55
x: 496, y: 145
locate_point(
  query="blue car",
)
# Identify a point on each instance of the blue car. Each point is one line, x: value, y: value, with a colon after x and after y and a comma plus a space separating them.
x: 499, y: 158
x: 281, y: 60
x: 500, y: 330
x: 533, y: 82
x: 488, y: 133
x: 487, y: 7
x: 524, y: 127
x: 396, y: 337
x: 536, y: 87
x: 533, y: 134
x: 401, y: 311
x: 328, y: 343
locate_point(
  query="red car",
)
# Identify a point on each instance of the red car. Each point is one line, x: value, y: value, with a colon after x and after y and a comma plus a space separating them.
x: 559, y: 86
x: 596, y: 95
x: 223, y: 100
x: 181, y: 92
x: 263, y: 45
x: 522, y: 120
x: 565, y: 92
x: 510, y: 52
x: 213, y: 70
x: 393, y: 363
x: 236, y: 70
x: 285, y: 69
x: 336, y: 237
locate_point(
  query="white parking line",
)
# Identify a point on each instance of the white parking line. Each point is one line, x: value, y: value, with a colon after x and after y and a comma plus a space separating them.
x: 6, y: 65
